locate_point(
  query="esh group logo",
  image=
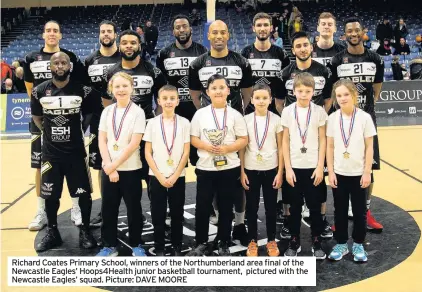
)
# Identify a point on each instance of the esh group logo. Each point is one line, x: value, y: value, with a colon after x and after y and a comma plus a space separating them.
x: 390, y: 111
x: 412, y: 110
x: 17, y: 113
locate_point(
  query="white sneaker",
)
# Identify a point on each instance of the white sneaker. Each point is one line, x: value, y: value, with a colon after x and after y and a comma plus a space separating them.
x: 76, y: 216
x: 305, y: 211
x: 350, y: 212
x: 213, y: 220
x: 39, y: 221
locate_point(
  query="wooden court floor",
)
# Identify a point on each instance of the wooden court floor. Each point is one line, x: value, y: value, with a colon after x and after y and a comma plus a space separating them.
x: 399, y: 182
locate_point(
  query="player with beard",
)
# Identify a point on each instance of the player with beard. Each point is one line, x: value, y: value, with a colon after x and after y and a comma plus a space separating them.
x: 147, y: 81
x: 366, y: 69
x: 96, y: 65
x: 302, y: 49
x: 37, y: 70
x: 57, y: 106
x: 174, y: 61
x: 220, y: 60
x: 266, y: 60
x: 326, y: 48
x: 238, y: 73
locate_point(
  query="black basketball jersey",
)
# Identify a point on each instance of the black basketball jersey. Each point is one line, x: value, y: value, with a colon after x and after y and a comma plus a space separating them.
x: 174, y: 63
x: 364, y: 70
x: 324, y: 56
x: 266, y: 66
x: 147, y: 81
x: 61, y: 109
x: 96, y: 67
x: 36, y: 70
x: 322, y: 77
x: 235, y: 68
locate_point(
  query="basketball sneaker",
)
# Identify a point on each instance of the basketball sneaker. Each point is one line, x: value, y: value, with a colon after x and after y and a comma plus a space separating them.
x: 272, y: 249
x: 108, y: 252
x: 294, y: 247
x: 39, y: 221
x: 317, y: 249
x: 76, y: 216
x: 252, y: 249
x: 359, y: 253
x: 338, y: 252
x: 372, y: 224
x: 51, y: 239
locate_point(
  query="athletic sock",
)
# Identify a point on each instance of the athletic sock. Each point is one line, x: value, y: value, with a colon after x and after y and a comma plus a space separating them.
x: 41, y: 204
x: 239, y: 218
x: 216, y: 213
x: 368, y: 204
x: 75, y: 202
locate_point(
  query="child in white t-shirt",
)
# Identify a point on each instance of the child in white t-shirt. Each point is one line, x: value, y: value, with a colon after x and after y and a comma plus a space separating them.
x: 350, y: 135
x: 262, y: 167
x: 218, y: 132
x: 304, y: 144
x: 167, y: 138
x: 121, y: 128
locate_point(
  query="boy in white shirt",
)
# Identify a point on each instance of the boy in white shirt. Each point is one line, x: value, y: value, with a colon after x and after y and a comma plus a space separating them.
x: 262, y: 166
x: 304, y: 144
x: 350, y: 136
x: 218, y: 132
x: 167, y: 138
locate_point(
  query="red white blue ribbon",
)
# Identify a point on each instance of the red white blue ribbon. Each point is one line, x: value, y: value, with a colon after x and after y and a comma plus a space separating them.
x: 346, y: 141
x: 169, y: 149
x: 267, y: 123
x: 308, y: 120
x: 117, y: 131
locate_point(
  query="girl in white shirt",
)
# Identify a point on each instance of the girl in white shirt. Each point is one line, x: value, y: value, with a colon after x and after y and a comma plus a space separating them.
x: 262, y: 166
x: 218, y: 132
x: 304, y: 144
x: 122, y: 126
x: 167, y: 138
x: 350, y: 154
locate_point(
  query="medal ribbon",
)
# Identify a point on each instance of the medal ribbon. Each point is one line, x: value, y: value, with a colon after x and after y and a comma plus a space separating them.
x: 267, y: 123
x: 308, y: 120
x: 343, y: 134
x: 216, y: 119
x: 169, y: 150
x: 119, y: 130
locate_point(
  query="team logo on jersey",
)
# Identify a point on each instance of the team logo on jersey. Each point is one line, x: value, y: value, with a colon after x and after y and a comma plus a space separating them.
x: 39, y: 57
x: 95, y: 62
x: 251, y: 55
x: 172, y: 54
x: 345, y: 60
x: 184, y: 81
x: 157, y: 72
x: 372, y: 68
x: 208, y: 63
x: 60, y: 121
x: 48, y: 92
x: 263, y: 81
x: 87, y: 90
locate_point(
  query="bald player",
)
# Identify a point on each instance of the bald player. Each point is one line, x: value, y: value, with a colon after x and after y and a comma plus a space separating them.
x: 37, y: 70
x: 238, y: 73
x: 57, y: 106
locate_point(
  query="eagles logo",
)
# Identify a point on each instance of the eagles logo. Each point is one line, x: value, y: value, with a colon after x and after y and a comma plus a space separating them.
x: 215, y: 136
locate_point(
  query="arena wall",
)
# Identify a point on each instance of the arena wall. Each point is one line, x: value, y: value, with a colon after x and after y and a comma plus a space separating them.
x: 51, y: 3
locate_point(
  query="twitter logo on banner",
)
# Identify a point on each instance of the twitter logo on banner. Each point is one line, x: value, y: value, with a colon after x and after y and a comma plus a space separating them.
x: 390, y: 111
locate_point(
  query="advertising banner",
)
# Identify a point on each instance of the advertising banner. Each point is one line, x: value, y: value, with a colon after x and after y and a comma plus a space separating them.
x: 18, y: 113
x: 400, y: 99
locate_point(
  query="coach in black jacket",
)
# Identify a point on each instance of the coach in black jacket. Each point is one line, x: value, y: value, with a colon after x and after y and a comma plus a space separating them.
x: 151, y: 37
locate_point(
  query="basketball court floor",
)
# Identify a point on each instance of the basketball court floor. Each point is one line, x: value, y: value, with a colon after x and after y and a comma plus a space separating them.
x: 395, y: 256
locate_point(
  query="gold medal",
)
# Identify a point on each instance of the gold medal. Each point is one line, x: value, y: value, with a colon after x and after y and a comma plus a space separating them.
x: 346, y: 155
x: 115, y: 147
x: 259, y: 157
x: 169, y: 161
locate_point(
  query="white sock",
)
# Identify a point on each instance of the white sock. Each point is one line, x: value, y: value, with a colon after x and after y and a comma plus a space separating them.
x: 41, y: 204
x: 216, y: 213
x: 75, y: 202
x: 239, y: 218
x: 368, y: 204
x: 279, y: 196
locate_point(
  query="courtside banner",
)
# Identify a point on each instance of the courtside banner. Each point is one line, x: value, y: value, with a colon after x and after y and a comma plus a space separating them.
x: 18, y: 112
x: 400, y: 99
x: 161, y: 271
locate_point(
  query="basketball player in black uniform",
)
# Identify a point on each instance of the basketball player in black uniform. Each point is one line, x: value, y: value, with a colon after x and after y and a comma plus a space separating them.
x: 37, y: 70
x: 220, y: 60
x: 326, y: 48
x: 57, y: 106
x: 323, y: 51
x: 147, y: 81
x: 96, y: 66
x: 366, y: 69
x: 302, y: 49
x: 266, y: 60
x: 174, y: 61
x: 238, y: 73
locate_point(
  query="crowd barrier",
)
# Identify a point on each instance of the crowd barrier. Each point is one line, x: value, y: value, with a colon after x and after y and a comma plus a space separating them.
x: 397, y: 99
